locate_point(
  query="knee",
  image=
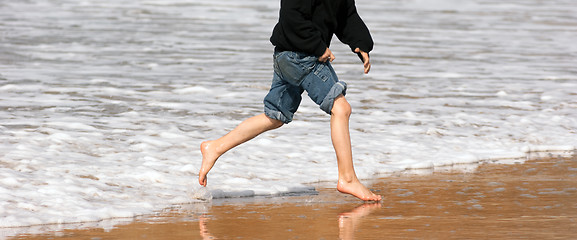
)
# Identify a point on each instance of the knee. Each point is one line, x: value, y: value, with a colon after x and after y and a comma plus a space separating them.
x: 274, y: 123
x: 341, y: 107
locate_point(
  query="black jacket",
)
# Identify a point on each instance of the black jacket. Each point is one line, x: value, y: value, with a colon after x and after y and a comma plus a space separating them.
x: 308, y: 26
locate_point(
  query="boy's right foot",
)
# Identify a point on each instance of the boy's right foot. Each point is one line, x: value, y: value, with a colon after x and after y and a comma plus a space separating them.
x: 358, y: 190
x: 209, y: 157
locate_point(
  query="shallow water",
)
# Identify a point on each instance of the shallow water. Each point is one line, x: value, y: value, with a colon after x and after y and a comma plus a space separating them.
x: 533, y: 200
x: 104, y: 103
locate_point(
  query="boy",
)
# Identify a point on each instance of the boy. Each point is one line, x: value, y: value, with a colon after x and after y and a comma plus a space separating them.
x: 302, y: 62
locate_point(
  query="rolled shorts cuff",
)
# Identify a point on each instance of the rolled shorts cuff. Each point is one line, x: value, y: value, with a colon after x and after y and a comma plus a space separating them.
x: 277, y: 115
x: 339, y: 88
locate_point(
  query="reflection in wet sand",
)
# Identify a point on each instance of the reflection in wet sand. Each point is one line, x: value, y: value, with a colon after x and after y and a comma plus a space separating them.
x: 203, y: 226
x: 349, y: 221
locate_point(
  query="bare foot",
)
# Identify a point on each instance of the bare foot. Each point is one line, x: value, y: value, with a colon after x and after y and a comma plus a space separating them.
x: 358, y: 190
x: 209, y: 157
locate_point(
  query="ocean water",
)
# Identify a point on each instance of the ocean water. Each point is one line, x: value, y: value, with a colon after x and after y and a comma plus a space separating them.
x: 103, y: 103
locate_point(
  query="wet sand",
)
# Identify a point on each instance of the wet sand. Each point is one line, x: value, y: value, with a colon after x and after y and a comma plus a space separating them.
x: 531, y: 200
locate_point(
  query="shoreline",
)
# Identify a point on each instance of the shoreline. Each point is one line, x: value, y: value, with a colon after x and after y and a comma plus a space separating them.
x: 529, y: 200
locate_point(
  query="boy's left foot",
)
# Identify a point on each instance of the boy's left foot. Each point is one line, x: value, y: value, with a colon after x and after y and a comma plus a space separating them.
x: 209, y: 157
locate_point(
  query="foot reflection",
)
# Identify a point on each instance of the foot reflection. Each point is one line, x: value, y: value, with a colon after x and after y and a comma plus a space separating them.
x: 349, y: 221
x: 202, y: 224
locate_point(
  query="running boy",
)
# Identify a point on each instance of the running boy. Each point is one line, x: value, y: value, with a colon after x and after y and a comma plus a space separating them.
x: 302, y: 61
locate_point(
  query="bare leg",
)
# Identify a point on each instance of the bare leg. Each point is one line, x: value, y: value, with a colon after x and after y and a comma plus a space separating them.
x: 247, y: 130
x: 348, y: 181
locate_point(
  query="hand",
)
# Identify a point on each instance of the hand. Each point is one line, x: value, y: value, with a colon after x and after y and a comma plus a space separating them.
x: 327, y: 56
x: 366, y: 60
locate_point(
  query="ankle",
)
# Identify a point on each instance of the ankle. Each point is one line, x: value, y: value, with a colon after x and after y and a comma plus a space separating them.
x: 212, y: 146
x: 347, y: 179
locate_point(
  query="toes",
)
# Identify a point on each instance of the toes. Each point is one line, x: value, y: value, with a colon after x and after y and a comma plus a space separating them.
x: 202, y: 181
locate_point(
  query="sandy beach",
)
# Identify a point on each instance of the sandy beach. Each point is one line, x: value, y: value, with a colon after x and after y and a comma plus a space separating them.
x: 532, y: 199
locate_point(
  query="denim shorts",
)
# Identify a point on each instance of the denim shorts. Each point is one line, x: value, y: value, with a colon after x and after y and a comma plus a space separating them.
x: 295, y: 72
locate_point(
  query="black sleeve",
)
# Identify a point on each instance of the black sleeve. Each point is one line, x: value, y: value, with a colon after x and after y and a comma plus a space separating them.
x: 295, y: 23
x: 353, y: 31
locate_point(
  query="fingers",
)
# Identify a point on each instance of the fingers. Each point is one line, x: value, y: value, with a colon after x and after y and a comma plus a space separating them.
x: 367, y: 66
x: 327, y: 56
x: 366, y: 59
